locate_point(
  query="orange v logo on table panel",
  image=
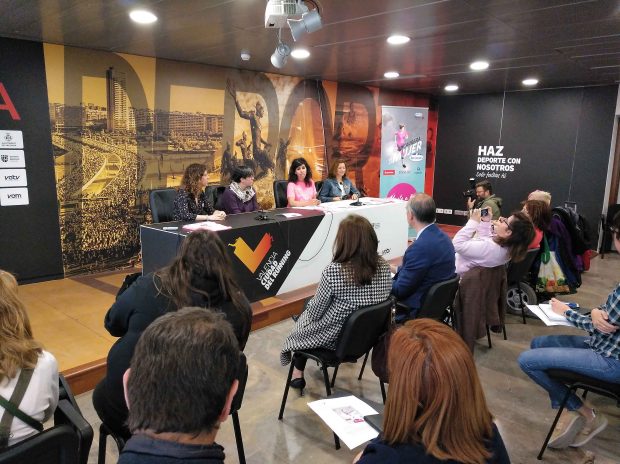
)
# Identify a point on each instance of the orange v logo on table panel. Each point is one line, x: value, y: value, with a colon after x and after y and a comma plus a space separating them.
x: 252, y: 258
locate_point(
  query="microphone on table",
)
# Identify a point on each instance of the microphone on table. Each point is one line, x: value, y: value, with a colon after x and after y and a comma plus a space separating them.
x: 358, y: 202
x: 262, y: 215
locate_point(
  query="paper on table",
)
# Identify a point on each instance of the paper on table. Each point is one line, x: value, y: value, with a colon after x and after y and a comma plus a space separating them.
x: 206, y: 225
x: 289, y: 215
x: 541, y: 312
x: 345, y: 416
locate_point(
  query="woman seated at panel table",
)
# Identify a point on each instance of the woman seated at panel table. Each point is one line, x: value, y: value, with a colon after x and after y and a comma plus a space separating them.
x: 596, y: 356
x: 338, y: 186
x: 25, y: 366
x: 201, y: 275
x: 300, y: 190
x: 495, y: 243
x: 356, y: 277
x: 191, y: 202
x: 436, y: 411
x: 240, y: 197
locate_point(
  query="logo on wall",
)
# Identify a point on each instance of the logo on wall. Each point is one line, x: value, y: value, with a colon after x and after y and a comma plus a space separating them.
x: 492, y: 162
x: 8, y: 137
x: 4, y: 158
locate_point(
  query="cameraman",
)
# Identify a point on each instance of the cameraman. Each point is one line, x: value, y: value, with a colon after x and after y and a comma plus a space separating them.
x: 485, y: 198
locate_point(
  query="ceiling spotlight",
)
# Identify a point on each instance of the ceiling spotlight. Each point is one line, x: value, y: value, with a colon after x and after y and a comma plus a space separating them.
x: 530, y: 81
x: 479, y: 65
x: 309, y: 22
x: 451, y: 88
x: 398, y: 39
x: 245, y: 55
x: 300, y: 53
x: 391, y: 75
x: 280, y: 55
x: 142, y: 17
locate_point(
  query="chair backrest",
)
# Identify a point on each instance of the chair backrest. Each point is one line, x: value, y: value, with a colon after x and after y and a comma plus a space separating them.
x: 279, y: 193
x: 317, y: 185
x: 213, y: 194
x: 68, y: 442
x: 438, y: 298
x: 242, y: 377
x: 161, y: 202
x: 516, y: 271
x: 362, y: 330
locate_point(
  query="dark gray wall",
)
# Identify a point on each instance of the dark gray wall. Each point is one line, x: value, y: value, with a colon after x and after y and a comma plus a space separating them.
x: 562, y: 138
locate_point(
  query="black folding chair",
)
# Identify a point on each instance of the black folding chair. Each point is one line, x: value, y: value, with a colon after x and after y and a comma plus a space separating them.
x: 236, y: 405
x: 161, y: 202
x: 516, y: 296
x: 279, y: 193
x: 573, y: 381
x: 360, y: 332
x: 438, y: 301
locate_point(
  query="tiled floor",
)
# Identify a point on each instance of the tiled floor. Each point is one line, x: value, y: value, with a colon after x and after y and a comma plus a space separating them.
x: 521, y: 409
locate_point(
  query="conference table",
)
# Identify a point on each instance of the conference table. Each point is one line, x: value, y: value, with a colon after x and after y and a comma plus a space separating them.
x: 284, y: 249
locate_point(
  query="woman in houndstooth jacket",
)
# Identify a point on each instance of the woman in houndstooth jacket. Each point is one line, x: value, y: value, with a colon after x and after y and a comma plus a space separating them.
x: 356, y: 277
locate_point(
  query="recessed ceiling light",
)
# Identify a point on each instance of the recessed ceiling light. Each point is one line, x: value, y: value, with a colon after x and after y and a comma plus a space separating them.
x: 479, y: 65
x: 530, y: 81
x: 300, y: 53
x: 391, y: 75
x: 142, y: 17
x: 451, y: 88
x: 398, y: 39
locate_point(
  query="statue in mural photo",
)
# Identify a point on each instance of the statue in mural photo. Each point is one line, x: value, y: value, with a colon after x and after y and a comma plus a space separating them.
x: 260, y: 154
x: 242, y: 143
x: 281, y: 171
x: 227, y: 166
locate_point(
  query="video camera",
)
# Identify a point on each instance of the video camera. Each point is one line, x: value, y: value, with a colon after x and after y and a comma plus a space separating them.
x: 471, y: 192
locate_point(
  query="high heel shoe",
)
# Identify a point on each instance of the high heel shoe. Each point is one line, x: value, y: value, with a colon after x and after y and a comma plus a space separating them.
x: 299, y: 384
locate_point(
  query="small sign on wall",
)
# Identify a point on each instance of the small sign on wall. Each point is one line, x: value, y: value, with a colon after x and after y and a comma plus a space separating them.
x: 12, y: 159
x: 13, y: 196
x: 11, y: 139
x: 13, y: 178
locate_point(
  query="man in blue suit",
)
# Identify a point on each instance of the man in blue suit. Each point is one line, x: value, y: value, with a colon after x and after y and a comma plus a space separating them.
x: 429, y: 259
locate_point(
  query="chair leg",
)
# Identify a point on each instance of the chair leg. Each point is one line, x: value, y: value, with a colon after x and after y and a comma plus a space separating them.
x: 521, y: 305
x: 326, y: 379
x: 238, y: 437
x: 288, y: 384
x: 334, y: 376
x: 504, y: 330
x: 363, y: 366
x: 383, y: 395
x: 489, y: 337
x: 555, y: 422
x: 102, y: 444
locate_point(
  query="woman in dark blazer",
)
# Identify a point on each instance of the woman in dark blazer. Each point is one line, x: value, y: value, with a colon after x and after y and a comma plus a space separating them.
x: 200, y: 276
x: 338, y: 186
x: 191, y: 203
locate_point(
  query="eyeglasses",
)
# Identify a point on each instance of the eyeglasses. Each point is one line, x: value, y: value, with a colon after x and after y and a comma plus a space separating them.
x: 614, y: 230
x: 505, y: 221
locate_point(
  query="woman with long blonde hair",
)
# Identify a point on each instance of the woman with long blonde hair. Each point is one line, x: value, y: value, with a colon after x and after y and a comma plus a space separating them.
x: 435, y: 410
x: 24, y: 366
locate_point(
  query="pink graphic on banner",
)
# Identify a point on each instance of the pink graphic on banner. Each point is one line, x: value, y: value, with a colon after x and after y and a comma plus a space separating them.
x: 401, y: 191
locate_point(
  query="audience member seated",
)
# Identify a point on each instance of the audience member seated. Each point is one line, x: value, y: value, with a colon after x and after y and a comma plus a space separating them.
x: 428, y: 260
x: 356, y: 277
x: 28, y: 374
x: 539, y: 213
x: 338, y: 186
x: 240, y: 197
x: 495, y: 243
x: 540, y: 195
x: 435, y: 411
x: 596, y: 356
x: 191, y: 203
x: 180, y: 387
x: 201, y: 275
x: 300, y: 190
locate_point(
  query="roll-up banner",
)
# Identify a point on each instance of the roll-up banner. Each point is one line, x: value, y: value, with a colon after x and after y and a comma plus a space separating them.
x: 403, y: 151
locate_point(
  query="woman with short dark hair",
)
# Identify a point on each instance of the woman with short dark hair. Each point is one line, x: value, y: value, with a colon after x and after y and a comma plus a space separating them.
x: 201, y: 275
x: 436, y: 411
x: 240, y: 197
x: 338, y: 186
x: 191, y: 202
x: 356, y: 277
x: 23, y: 364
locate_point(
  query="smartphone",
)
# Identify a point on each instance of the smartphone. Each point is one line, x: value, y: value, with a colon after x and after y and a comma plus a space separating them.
x: 484, y: 212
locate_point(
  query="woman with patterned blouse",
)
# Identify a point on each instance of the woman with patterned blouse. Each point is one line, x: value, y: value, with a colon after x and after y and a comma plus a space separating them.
x: 356, y: 277
x: 191, y: 203
x: 596, y: 356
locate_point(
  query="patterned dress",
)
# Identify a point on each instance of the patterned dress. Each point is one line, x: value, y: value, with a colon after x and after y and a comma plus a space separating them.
x: 186, y: 209
x: 336, y: 297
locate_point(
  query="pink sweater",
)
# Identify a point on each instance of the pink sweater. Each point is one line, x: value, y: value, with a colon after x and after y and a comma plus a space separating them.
x: 480, y: 251
x: 300, y: 191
